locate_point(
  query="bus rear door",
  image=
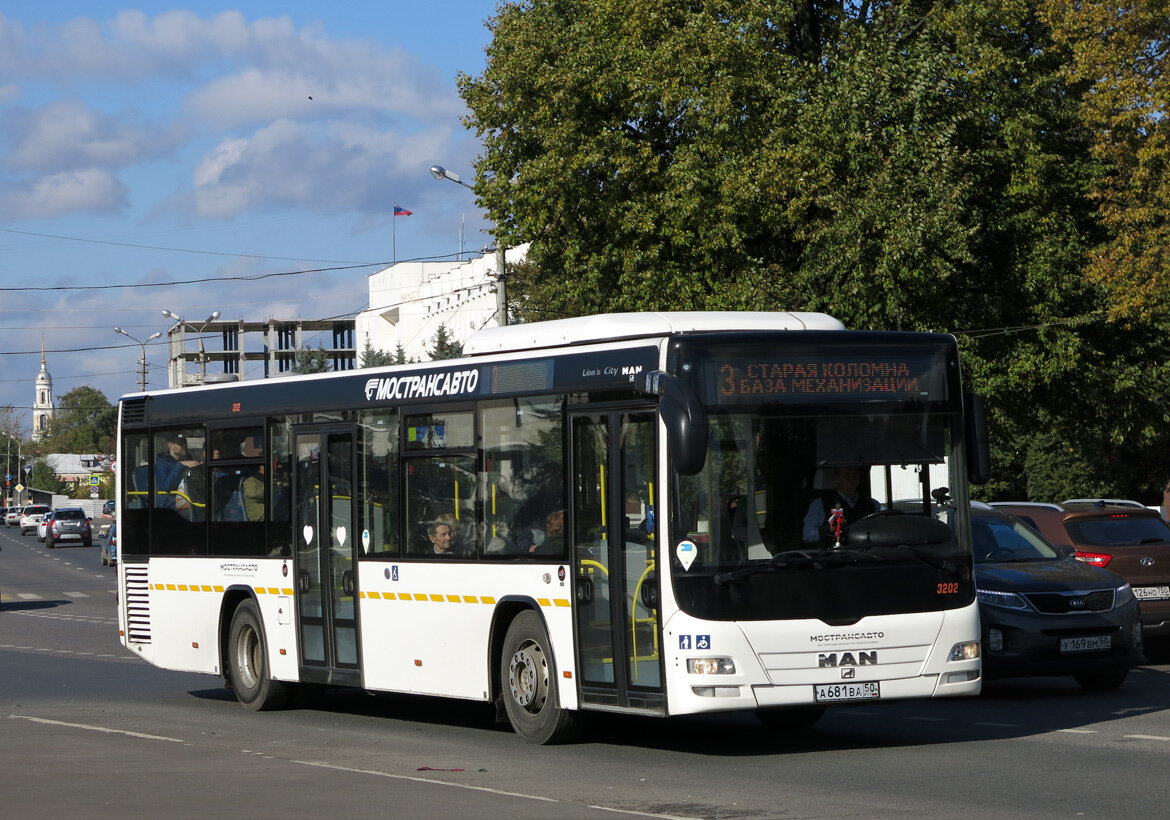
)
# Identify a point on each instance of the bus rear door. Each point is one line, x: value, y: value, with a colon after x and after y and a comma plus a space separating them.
x: 326, y: 554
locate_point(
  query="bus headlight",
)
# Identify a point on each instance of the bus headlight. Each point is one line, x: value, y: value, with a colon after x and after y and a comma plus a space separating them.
x: 711, y: 666
x: 965, y: 651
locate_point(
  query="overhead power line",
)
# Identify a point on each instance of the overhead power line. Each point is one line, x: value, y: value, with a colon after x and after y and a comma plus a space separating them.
x: 173, y: 250
x: 209, y: 279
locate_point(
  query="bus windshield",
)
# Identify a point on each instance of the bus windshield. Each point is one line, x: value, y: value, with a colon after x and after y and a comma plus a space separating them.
x: 821, y: 505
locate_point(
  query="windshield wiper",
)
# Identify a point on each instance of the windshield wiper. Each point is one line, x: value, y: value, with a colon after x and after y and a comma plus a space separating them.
x: 929, y: 558
x: 797, y: 559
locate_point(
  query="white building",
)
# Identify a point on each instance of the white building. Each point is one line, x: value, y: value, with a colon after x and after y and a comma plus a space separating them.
x: 409, y: 300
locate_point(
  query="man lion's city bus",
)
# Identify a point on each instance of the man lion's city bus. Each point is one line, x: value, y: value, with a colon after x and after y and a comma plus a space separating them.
x: 625, y: 513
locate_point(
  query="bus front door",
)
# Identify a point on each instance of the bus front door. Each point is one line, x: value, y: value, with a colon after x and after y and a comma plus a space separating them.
x: 326, y: 565
x: 614, y: 540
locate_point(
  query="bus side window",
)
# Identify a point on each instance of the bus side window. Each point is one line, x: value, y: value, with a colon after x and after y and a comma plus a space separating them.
x: 279, y: 491
x: 521, y: 484
x: 134, y: 529
x: 378, y: 472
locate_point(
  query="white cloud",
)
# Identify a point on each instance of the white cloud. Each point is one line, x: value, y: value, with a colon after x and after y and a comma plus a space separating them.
x: 66, y: 135
x: 324, y: 168
x: 91, y: 190
x: 266, y: 68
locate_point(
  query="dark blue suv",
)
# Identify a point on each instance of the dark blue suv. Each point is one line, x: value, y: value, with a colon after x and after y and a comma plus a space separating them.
x: 1045, y: 613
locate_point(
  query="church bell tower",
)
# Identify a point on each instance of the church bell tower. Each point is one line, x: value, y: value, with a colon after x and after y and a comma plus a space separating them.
x: 43, y: 403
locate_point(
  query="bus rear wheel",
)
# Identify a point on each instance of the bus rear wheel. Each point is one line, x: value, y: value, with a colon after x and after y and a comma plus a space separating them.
x: 248, y: 662
x: 528, y: 685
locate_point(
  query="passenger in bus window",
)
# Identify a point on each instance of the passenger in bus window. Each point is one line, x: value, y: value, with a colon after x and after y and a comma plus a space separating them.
x: 442, y: 537
x: 171, y: 466
x: 252, y: 488
x: 845, y: 496
x: 554, y: 535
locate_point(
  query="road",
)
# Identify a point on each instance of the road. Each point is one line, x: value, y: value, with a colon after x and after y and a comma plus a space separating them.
x: 88, y: 730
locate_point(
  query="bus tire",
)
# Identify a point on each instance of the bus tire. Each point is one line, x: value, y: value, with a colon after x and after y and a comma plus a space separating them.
x: 248, y: 662
x: 528, y: 684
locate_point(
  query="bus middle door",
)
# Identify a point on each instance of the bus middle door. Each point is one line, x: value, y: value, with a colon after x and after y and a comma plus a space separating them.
x: 326, y: 567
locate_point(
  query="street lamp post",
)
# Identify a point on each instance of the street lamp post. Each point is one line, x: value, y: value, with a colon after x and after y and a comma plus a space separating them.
x: 142, y: 344
x: 8, y: 459
x: 202, y: 352
x: 439, y: 172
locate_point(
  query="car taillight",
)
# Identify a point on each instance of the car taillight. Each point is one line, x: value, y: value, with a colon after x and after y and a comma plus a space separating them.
x: 1097, y: 559
x: 52, y: 525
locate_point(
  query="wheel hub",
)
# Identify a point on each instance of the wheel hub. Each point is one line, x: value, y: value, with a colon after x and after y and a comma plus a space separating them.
x: 528, y: 677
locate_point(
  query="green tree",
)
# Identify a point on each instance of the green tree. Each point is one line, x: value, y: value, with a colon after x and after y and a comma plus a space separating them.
x: 899, y: 164
x: 444, y: 345
x: 376, y: 358
x: 84, y: 422
x: 1120, y: 50
x: 42, y: 477
x: 312, y: 360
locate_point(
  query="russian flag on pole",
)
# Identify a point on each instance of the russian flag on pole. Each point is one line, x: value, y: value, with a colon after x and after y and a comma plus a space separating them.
x: 402, y: 211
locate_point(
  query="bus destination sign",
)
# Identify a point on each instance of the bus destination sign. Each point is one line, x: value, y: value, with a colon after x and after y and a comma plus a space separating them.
x: 812, y: 378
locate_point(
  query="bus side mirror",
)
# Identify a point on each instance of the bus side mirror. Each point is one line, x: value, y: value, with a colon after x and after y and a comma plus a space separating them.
x: 684, y: 417
x: 978, y: 446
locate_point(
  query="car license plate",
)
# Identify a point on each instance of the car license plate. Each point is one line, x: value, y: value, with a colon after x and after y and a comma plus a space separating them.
x: 1093, y: 644
x: 66, y: 536
x: 1152, y: 593
x: 840, y: 692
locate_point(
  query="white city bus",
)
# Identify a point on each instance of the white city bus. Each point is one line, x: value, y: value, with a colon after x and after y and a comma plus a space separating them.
x: 603, y: 513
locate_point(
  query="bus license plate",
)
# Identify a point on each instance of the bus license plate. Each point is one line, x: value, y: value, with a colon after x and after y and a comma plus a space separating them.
x: 840, y: 692
x: 1086, y: 644
x: 1152, y: 593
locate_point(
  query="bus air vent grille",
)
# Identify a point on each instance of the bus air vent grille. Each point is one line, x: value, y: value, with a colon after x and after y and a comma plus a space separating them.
x: 134, y: 411
x: 138, y: 602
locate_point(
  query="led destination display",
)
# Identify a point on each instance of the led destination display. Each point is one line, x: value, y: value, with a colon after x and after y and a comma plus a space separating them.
x: 826, y: 378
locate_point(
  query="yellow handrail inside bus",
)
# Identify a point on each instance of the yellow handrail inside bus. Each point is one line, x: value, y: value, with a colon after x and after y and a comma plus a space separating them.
x: 635, y: 620
x: 601, y: 477
x: 589, y: 562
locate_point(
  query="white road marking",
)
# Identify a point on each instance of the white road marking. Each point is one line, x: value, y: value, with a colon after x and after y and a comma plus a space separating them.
x: 76, y: 594
x: 90, y: 728
x: 28, y: 596
x: 1146, y: 737
x: 426, y: 780
x: 1079, y: 731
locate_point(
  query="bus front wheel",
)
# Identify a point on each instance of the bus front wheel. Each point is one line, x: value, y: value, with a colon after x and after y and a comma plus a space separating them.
x: 528, y: 684
x: 248, y: 662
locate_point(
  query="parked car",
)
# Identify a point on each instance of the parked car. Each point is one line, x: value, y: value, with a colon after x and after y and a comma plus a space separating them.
x: 101, y: 527
x: 1124, y: 537
x: 30, y: 516
x: 109, y: 546
x: 43, y: 525
x: 69, y: 524
x: 1044, y: 613
x: 108, y: 507
x: 12, y: 516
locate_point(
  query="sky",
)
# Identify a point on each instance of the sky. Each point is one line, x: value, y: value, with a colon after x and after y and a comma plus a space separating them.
x: 147, y: 145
